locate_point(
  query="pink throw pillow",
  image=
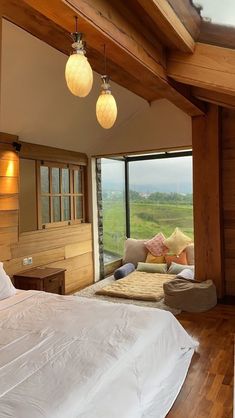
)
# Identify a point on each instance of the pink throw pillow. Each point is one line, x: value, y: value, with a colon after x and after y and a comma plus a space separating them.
x: 156, y: 246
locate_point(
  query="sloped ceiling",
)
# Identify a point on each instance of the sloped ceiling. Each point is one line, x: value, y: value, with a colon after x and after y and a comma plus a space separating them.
x: 36, y: 104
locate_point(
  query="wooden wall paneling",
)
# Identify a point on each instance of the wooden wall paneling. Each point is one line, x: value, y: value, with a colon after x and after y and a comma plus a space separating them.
x: 228, y: 188
x: 9, y: 202
x: 81, y: 275
x: 72, y: 250
x: 207, y: 198
x: 9, y: 189
x: 15, y: 265
x: 44, y: 239
x: 5, y: 252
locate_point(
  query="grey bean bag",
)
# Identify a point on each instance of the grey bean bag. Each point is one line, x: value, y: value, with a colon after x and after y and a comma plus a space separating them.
x: 190, y: 296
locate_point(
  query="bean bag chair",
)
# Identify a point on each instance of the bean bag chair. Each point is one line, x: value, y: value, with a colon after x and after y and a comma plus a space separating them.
x: 190, y: 295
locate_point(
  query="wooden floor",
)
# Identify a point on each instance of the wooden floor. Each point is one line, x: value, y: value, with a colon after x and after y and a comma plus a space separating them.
x: 208, y: 389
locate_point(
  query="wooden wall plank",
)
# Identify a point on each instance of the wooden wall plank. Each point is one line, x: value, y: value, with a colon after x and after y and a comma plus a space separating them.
x: 78, y: 279
x: 9, y: 202
x: 207, y: 195
x: 9, y: 218
x: 72, y: 250
x: 228, y: 192
x: 39, y: 259
x: 73, y: 263
x: 5, y: 252
x: 44, y: 239
x: 9, y: 185
x: 8, y: 235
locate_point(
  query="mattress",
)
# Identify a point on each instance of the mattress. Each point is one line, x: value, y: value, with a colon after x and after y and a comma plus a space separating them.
x: 138, y: 285
x: 70, y: 357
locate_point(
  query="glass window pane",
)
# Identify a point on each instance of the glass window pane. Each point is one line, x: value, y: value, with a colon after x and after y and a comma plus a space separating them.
x: 77, y: 181
x: 161, y: 197
x: 65, y: 180
x: 55, y: 180
x: 113, y: 203
x: 79, y: 207
x: 45, y: 209
x: 56, y: 209
x: 66, y: 208
x: 44, y: 173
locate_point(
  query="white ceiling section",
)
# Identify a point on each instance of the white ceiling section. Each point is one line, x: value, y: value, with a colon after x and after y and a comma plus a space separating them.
x: 37, y: 106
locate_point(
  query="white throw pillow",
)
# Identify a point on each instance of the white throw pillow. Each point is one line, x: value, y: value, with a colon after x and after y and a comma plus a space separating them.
x: 134, y: 251
x: 6, y: 287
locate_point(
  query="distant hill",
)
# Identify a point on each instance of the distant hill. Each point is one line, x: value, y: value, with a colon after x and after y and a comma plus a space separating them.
x: 182, y: 187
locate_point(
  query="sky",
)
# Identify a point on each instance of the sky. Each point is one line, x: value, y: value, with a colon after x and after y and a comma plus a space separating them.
x: 220, y: 11
x: 164, y: 175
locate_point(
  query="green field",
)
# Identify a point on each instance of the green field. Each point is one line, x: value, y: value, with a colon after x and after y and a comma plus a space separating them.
x: 147, y: 219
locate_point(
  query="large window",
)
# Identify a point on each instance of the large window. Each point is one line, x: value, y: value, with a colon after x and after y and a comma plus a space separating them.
x: 114, y: 210
x: 160, y: 196
x: 143, y: 195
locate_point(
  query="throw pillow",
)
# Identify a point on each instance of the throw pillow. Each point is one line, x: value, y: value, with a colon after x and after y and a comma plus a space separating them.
x: 156, y: 246
x: 152, y: 259
x: 179, y: 259
x: 152, y: 267
x: 176, y: 268
x: 190, y: 253
x: 123, y: 271
x: 177, y: 242
x: 134, y: 251
x: 6, y: 287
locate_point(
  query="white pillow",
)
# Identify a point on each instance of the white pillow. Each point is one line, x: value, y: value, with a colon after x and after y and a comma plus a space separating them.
x: 6, y: 287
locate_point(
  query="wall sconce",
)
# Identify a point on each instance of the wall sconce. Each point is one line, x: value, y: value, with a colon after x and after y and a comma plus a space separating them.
x: 106, y: 107
x: 78, y: 72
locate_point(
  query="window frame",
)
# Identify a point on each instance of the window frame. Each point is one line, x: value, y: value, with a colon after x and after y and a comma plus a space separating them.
x: 72, y: 194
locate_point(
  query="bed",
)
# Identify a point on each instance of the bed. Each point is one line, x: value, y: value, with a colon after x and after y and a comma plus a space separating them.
x: 74, y: 357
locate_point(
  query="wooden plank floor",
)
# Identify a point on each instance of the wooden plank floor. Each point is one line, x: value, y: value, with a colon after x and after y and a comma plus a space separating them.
x: 208, y: 388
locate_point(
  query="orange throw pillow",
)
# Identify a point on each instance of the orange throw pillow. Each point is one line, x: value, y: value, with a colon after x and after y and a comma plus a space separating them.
x: 155, y: 259
x: 179, y: 259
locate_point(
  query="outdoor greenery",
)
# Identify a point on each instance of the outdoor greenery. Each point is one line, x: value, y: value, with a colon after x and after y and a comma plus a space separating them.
x: 149, y: 215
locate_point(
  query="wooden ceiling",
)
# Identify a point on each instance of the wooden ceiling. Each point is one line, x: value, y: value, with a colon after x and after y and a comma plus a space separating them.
x: 151, y: 45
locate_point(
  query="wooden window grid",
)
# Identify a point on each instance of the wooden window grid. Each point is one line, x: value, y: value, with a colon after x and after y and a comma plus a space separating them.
x: 73, y: 194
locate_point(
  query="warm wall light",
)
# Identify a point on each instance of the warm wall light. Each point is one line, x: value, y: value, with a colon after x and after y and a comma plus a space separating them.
x: 10, y: 169
x: 78, y: 72
x: 106, y: 108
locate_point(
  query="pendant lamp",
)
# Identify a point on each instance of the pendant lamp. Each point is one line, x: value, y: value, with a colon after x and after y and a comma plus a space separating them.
x: 106, y: 107
x: 78, y: 72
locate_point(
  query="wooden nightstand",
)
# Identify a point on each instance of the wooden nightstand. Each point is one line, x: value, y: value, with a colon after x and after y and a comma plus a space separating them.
x: 47, y: 279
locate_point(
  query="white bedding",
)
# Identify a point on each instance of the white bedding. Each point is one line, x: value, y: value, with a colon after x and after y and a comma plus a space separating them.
x: 67, y: 357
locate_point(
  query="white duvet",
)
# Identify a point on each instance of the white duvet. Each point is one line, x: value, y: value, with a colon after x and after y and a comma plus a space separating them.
x: 67, y: 357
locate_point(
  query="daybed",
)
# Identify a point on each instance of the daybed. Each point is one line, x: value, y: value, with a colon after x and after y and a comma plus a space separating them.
x: 66, y: 356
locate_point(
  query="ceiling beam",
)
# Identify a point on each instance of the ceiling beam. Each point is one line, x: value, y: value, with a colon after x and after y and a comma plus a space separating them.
x: 188, y: 15
x: 214, y: 97
x: 126, y: 47
x: 169, y: 24
x: 210, y: 67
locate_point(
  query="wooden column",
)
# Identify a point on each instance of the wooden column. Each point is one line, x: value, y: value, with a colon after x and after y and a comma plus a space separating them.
x: 207, y: 197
